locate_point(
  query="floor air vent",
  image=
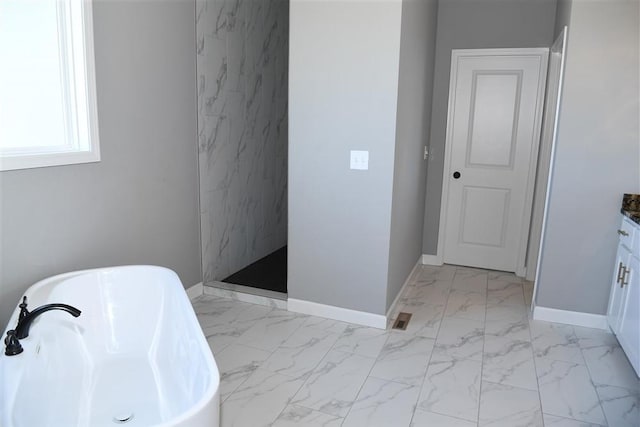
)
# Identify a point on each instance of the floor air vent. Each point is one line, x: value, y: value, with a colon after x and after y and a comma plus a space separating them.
x: 402, y: 321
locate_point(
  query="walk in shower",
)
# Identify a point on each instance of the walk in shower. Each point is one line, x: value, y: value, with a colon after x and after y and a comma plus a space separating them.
x: 242, y: 77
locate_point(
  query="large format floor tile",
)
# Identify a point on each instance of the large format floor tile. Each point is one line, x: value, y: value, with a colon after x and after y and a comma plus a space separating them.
x: 566, y: 390
x: 296, y: 416
x: 334, y: 385
x: 271, y: 331
x: 236, y: 363
x: 470, y: 279
x: 425, y: 320
x: 259, y: 400
x: 466, y: 305
x: 361, y: 340
x: 426, y: 292
x: 452, y: 387
x: 382, y: 403
x: 507, y: 321
x: 605, y: 359
x: 501, y: 293
x: 424, y: 419
x: 429, y: 272
x: 555, y: 341
x: 470, y: 356
x: 509, y: 362
x: 460, y: 339
x: 404, y: 359
x: 506, y: 406
x: 621, y: 406
x: 232, y: 322
x: 299, y: 355
x: 553, y: 421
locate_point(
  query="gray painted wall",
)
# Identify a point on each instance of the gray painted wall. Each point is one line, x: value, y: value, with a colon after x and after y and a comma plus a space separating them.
x: 242, y: 61
x: 417, y: 58
x: 597, y: 156
x: 343, y: 92
x: 473, y: 24
x: 563, y: 13
x: 139, y: 205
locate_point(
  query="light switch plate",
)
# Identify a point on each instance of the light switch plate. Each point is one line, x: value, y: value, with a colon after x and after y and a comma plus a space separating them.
x: 359, y: 160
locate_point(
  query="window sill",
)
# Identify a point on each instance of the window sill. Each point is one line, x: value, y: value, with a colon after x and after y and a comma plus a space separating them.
x: 46, y: 160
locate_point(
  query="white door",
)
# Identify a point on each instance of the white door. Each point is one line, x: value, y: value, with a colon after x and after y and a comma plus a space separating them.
x: 495, y: 111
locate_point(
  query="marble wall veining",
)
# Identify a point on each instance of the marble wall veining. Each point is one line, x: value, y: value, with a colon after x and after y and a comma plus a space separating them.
x: 242, y: 83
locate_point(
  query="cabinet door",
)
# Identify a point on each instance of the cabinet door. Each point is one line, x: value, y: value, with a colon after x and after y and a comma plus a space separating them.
x: 629, y: 328
x: 616, y: 298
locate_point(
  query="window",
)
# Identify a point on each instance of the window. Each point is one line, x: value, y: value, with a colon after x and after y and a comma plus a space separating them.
x: 48, y: 112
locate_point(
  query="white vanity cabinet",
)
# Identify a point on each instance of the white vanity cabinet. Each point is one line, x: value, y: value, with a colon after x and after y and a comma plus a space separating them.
x: 624, y: 302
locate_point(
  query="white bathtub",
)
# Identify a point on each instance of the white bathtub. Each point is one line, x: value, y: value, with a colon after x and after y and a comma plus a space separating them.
x: 136, y: 352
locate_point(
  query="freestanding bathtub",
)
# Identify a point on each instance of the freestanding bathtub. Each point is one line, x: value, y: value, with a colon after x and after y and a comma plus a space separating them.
x: 136, y: 356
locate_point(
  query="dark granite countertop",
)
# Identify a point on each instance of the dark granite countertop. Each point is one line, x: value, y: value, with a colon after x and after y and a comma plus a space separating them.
x: 631, y: 207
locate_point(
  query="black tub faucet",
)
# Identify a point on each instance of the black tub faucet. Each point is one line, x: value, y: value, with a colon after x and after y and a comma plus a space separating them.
x: 26, y: 317
x: 12, y: 344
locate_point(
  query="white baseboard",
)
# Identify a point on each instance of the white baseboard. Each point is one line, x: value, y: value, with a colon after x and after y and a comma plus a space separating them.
x: 195, y: 291
x: 337, y: 313
x: 432, y: 260
x: 587, y: 320
x: 408, y: 280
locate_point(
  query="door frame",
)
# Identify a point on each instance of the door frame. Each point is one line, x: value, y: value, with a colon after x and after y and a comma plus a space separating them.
x: 559, y: 49
x: 543, y: 53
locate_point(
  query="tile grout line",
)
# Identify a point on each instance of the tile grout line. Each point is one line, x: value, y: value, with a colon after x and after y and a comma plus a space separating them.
x: 435, y: 341
x: 573, y: 363
x: 288, y: 376
x: 377, y: 358
x: 212, y: 352
x: 303, y: 382
x: 595, y: 388
x: 484, y: 340
x: 260, y: 365
x: 415, y: 408
x: 365, y: 380
x: 388, y: 332
x: 332, y: 348
x: 533, y: 355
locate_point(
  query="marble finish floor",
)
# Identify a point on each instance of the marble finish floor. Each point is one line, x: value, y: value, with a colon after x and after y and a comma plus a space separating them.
x: 471, y: 356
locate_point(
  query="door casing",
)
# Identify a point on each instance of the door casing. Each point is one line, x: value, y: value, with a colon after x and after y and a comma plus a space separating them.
x: 558, y: 55
x: 531, y: 173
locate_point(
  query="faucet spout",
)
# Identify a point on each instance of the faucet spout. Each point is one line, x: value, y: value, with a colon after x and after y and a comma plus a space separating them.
x: 22, y: 330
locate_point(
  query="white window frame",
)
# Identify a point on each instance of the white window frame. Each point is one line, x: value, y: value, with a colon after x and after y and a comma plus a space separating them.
x: 80, y: 110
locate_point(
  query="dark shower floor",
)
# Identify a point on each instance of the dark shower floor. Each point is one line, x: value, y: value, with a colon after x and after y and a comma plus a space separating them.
x: 268, y: 273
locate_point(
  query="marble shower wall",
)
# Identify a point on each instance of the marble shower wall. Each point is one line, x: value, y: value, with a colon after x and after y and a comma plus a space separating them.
x: 242, y: 77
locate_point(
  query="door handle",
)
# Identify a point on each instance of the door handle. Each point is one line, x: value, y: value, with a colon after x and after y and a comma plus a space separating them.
x: 456, y: 175
x: 623, y: 233
x: 625, y: 277
x: 620, y: 272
